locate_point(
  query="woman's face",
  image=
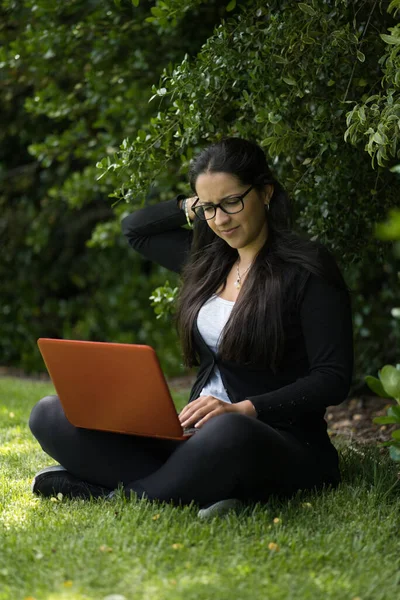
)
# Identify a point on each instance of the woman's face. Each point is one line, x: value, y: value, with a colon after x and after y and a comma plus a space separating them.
x: 251, y: 229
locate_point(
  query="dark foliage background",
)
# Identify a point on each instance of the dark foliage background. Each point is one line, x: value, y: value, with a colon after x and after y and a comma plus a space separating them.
x: 138, y: 88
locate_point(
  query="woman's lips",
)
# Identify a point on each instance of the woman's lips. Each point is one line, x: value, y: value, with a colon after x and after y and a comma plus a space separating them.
x: 229, y: 231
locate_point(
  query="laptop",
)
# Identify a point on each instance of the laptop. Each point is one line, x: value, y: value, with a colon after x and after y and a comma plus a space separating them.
x: 112, y: 387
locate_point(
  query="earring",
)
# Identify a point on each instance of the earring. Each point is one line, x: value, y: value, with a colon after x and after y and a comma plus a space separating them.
x: 267, y: 207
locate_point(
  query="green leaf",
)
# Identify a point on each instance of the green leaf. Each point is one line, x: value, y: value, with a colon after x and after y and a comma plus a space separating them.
x: 389, y: 230
x: 135, y: 2
x: 268, y: 141
x: 231, y: 5
x: 390, y: 39
x: 306, y: 8
x: 385, y: 420
x: 376, y: 386
x: 395, y: 4
x: 389, y: 443
x: 394, y: 453
x: 360, y: 56
x: 156, y: 11
x: 394, y: 411
x: 396, y: 435
x: 273, y: 118
x: 349, y: 131
x: 377, y: 138
x: 289, y: 80
x: 280, y: 59
x: 390, y: 378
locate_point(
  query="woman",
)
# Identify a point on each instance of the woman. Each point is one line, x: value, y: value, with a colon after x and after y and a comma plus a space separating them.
x: 266, y: 316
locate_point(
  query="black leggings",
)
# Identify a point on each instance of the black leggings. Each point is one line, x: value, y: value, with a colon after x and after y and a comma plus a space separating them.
x: 231, y: 456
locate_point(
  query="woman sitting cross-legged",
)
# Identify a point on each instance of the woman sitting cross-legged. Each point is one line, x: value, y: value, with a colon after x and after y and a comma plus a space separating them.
x: 265, y: 315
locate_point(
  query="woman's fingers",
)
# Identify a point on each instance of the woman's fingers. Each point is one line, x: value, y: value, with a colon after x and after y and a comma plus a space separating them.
x: 194, y: 405
x: 219, y: 410
x: 192, y: 419
x: 190, y: 203
x: 207, y: 417
x: 188, y: 410
x: 201, y: 410
x: 196, y: 410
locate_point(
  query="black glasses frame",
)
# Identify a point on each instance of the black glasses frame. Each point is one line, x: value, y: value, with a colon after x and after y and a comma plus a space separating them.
x: 215, y: 206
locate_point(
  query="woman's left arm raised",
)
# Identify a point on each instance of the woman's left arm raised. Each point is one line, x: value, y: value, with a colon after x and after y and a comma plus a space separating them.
x: 326, y: 321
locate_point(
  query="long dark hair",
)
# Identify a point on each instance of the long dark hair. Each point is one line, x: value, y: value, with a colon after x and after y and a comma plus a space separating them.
x: 281, y: 266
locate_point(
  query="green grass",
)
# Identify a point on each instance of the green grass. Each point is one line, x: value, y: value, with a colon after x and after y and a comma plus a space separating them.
x: 343, y: 545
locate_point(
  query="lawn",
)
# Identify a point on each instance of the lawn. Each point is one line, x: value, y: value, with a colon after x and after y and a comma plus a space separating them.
x: 339, y: 544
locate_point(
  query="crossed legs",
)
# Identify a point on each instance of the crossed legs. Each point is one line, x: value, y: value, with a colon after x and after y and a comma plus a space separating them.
x: 232, y: 455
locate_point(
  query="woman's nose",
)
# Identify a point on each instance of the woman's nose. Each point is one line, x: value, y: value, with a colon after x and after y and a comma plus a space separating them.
x: 221, y: 217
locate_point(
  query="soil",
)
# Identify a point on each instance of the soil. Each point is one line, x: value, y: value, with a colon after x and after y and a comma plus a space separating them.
x: 352, y: 419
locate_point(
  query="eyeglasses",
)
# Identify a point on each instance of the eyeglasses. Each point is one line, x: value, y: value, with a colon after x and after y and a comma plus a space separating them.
x: 230, y: 206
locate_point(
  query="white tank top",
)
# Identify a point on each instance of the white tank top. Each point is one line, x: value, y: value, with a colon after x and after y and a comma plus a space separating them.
x: 211, y: 320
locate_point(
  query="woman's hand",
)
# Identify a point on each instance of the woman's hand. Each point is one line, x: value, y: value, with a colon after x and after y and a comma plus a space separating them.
x: 189, y: 203
x: 198, y: 412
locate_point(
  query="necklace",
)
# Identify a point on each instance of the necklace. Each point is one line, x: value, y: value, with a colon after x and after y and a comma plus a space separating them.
x: 238, y: 282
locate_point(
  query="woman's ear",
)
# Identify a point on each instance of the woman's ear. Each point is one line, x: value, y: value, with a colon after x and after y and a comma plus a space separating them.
x: 269, y: 190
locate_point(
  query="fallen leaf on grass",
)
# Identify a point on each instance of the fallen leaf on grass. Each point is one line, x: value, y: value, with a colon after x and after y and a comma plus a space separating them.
x: 357, y: 417
x: 155, y: 517
x: 273, y: 546
x: 307, y: 505
x: 276, y: 520
x: 177, y: 546
x: 57, y: 498
x: 104, y: 548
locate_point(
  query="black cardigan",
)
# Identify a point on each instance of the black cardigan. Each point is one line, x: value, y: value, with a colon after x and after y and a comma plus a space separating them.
x: 317, y: 367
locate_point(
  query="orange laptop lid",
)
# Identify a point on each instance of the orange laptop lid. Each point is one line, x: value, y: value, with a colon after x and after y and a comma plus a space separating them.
x: 112, y: 387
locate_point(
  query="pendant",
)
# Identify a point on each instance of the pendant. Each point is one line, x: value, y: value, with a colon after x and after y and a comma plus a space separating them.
x: 237, y: 284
